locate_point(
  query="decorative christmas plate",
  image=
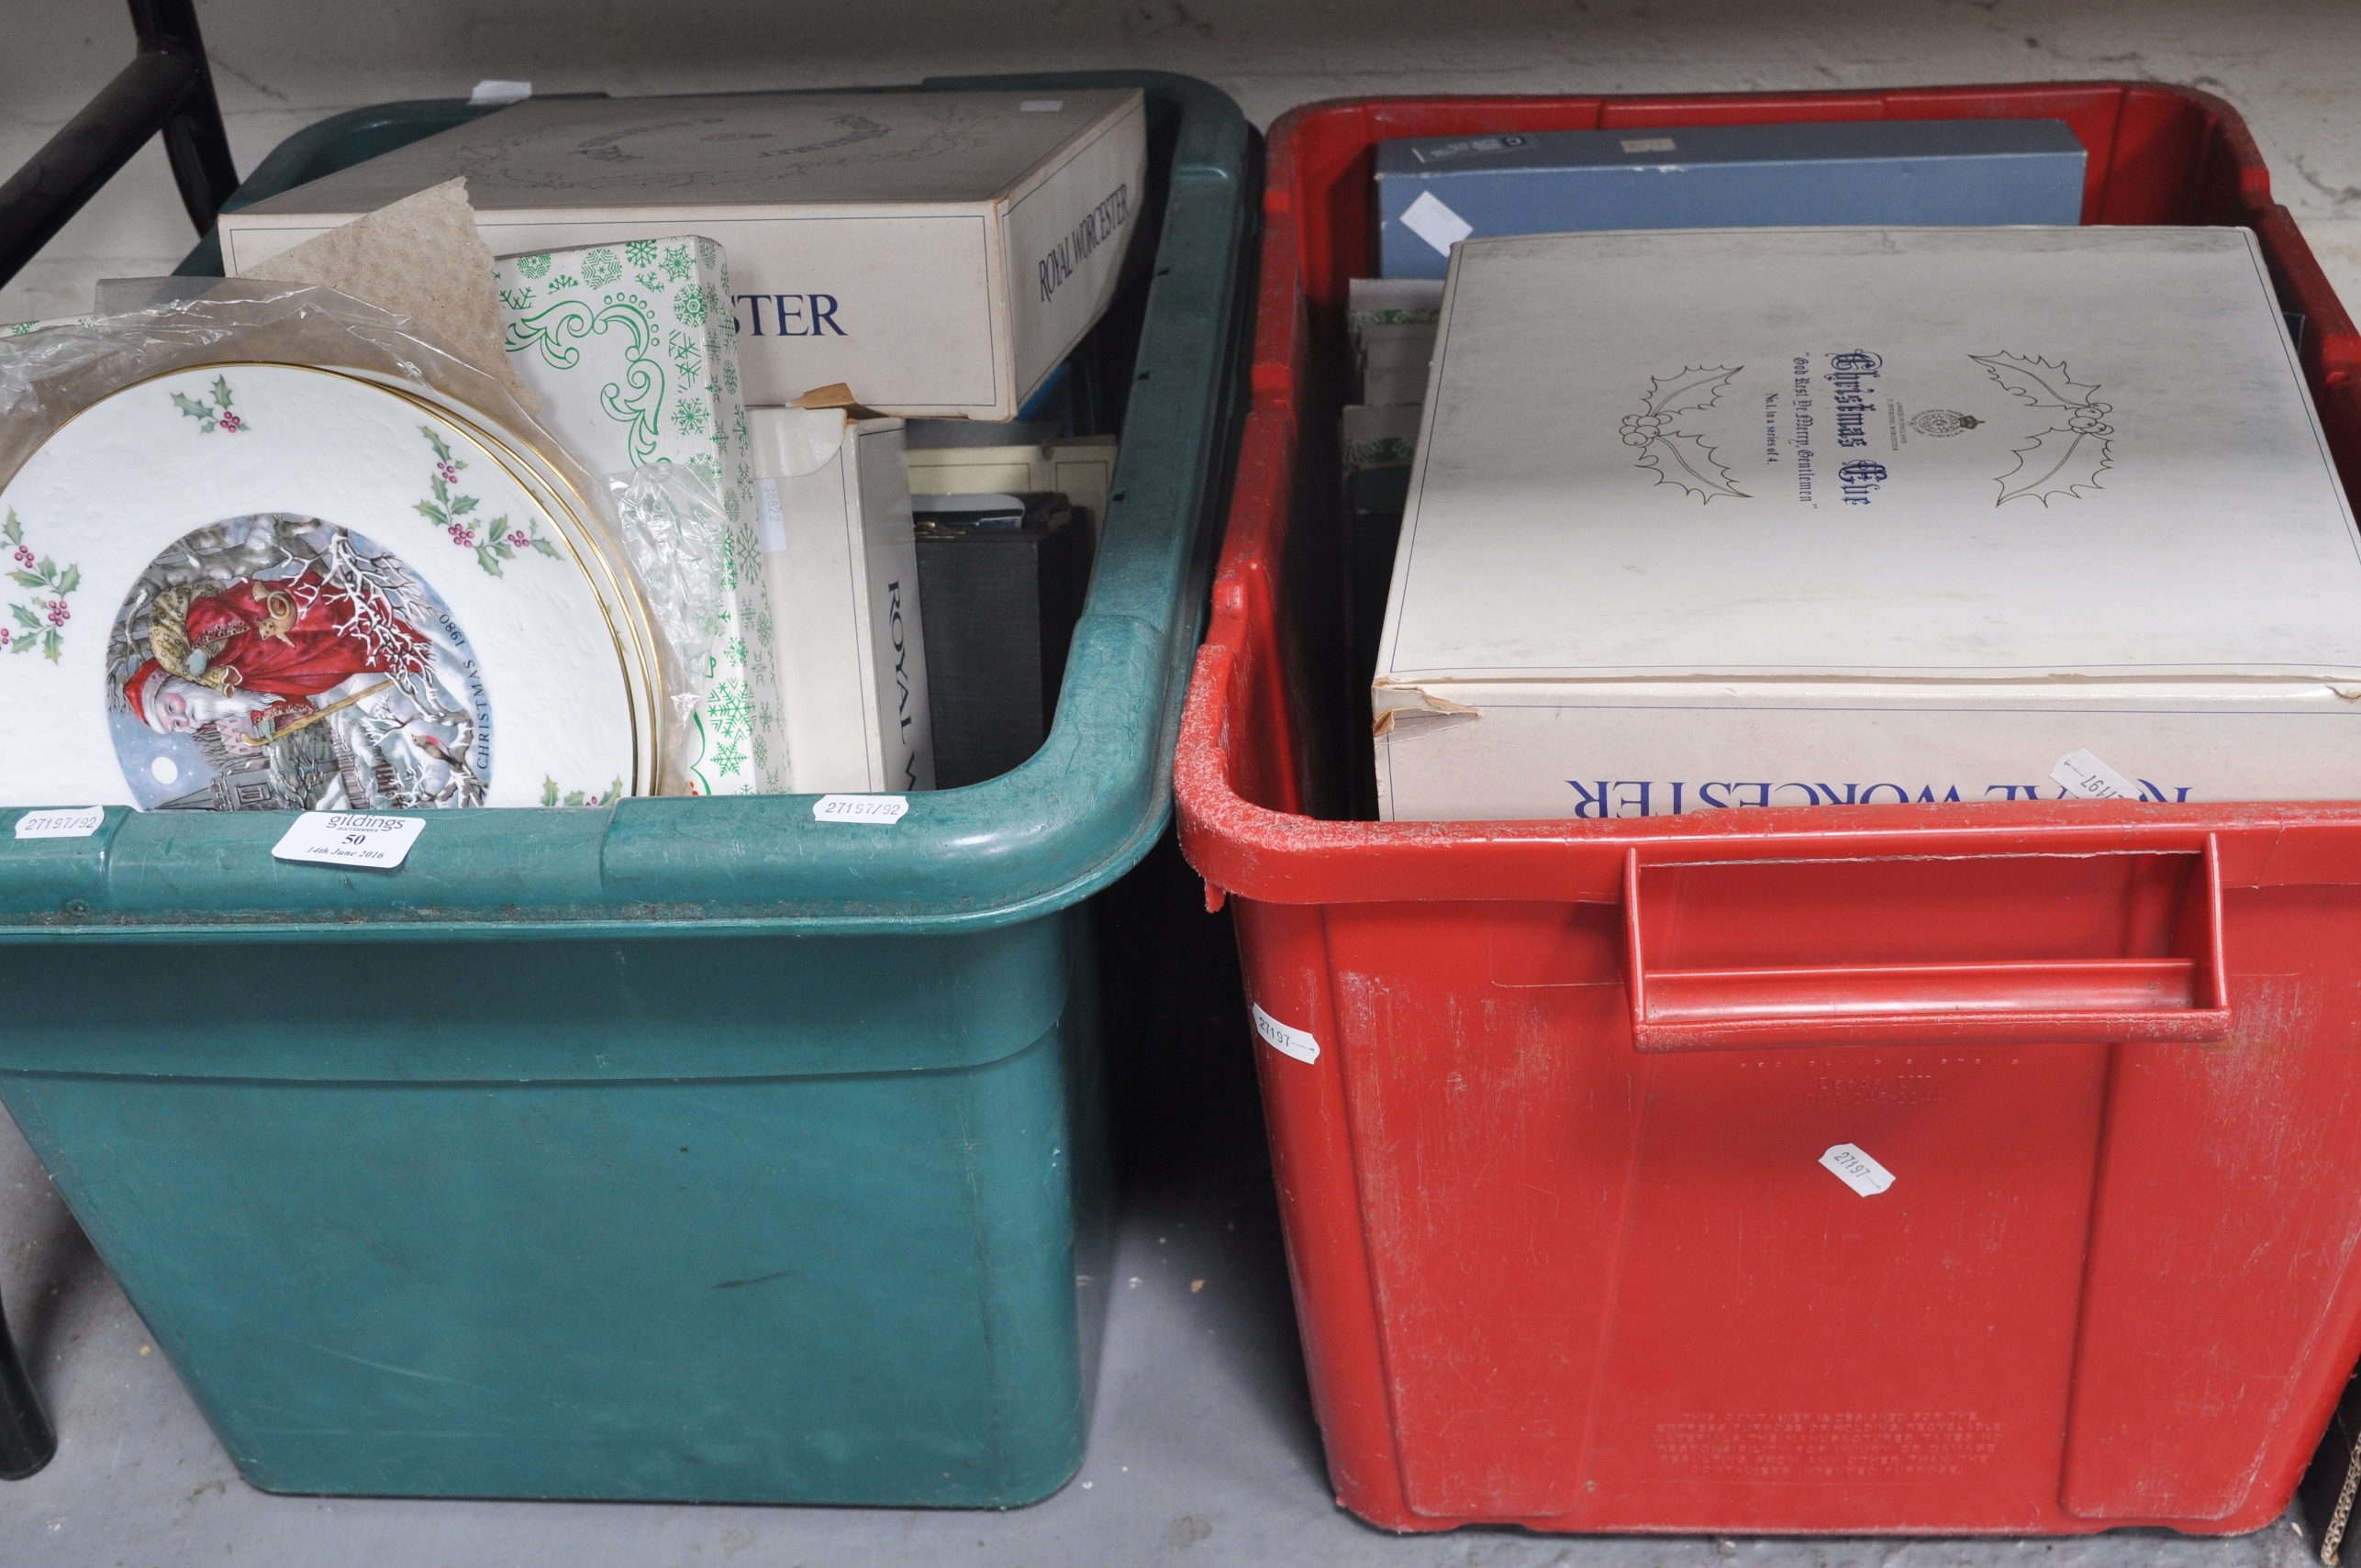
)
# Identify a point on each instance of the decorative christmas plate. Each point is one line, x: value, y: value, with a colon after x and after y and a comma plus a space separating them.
x: 579, y: 525
x: 276, y: 587
x: 722, y: 707
x: 591, y: 542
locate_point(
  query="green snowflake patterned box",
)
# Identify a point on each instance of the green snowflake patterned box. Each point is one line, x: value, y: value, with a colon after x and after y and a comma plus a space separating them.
x: 630, y: 349
x: 1704, y: 519
x: 939, y: 252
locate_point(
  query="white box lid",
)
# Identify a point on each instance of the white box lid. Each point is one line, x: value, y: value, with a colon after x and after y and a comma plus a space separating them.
x: 763, y: 149
x: 1559, y: 530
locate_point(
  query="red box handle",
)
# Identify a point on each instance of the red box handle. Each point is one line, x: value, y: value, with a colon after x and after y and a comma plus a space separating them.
x: 2172, y: 991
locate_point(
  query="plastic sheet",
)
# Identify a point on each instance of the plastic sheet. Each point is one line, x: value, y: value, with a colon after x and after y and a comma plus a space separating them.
x: 676, y: 535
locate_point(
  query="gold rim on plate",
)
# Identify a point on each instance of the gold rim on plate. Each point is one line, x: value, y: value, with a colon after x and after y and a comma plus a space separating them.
x: 588, y: 544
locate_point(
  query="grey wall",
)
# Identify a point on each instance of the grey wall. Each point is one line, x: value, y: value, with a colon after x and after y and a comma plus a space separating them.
x: 2290, y: 65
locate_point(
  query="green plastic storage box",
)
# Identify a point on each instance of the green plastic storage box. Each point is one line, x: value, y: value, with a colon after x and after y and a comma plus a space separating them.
x: 681, y: 1149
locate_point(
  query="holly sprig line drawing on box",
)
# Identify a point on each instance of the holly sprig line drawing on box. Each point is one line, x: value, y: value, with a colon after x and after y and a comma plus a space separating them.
x: 2069, y: 457
x: 1676, y: 456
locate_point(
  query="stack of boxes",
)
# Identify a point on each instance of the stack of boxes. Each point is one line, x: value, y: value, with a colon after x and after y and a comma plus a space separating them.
x: 1828, y: 464
x: 1390, y: 327
x: 1870, y: 517
x: 929, y: 257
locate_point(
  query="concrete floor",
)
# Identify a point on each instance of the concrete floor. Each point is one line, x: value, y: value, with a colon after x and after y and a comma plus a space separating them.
x: 1203, y: 1451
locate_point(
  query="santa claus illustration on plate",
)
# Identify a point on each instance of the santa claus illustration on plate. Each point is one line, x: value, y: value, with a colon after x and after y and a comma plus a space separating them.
x: 303, y: 683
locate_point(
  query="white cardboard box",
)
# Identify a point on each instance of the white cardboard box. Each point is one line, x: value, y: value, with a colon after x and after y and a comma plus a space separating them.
x: 1081, y: 468
x: 1717, y: 518
x: 1386, y: 436
x: 939, y: 252
x: 834, y: 499
x: 1391, y: 302
x: 1391, y: 325
x: 639, y: 370
x: 1392, y: 363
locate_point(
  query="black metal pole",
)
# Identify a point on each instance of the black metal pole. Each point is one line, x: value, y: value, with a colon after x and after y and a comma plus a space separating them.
x: 28, y: 1442
x: 167, y: 87
x: 193, y: 138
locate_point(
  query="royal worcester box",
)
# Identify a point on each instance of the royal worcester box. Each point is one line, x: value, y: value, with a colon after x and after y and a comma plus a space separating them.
x: 939, y: 252
x: 1719, y: 519
x: 833, y: 507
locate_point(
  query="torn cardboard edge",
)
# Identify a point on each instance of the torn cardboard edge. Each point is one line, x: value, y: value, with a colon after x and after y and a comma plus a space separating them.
x: 1423, y: 683
x: 801, y: 440
x: 805, y: 445
x: 1420, y: 711
x: 1409, y: 723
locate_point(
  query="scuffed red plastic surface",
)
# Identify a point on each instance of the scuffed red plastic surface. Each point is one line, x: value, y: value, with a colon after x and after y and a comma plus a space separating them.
x: 2111, y: 1053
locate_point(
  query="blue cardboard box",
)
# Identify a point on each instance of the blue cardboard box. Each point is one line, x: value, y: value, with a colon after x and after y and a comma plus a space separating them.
x: 1435, y: 191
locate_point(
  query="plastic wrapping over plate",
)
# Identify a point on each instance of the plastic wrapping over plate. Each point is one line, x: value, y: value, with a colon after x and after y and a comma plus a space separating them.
x: 275, y: 587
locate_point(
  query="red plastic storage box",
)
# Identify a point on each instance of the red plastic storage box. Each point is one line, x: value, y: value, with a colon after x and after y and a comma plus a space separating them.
x: 1549, y: 1101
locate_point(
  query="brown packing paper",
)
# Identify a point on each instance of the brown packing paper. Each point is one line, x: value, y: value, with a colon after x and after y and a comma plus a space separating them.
x: 421, y: 257
x: 836, y: 394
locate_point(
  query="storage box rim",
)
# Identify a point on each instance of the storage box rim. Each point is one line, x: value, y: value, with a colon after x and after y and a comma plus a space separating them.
x: 1256, y: 852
